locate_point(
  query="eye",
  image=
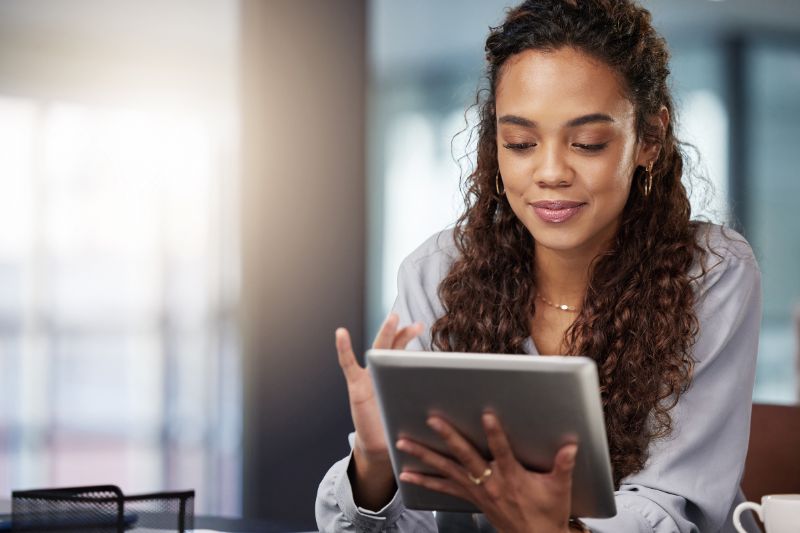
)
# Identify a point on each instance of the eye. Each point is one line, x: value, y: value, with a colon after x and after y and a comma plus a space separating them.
x: 519, y: 147
x: 590, y: 147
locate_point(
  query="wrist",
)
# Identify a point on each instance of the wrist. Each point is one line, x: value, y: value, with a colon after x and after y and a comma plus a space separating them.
x: 371, y: 463
x: 372, y: 481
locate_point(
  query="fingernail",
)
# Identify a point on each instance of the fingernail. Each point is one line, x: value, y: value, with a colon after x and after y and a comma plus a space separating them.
x: 489, y: 420
x: 340, y: 338
x: 573, y: 452
x: 402, y: 444
x: 435, y: 423
x: 405, y: 476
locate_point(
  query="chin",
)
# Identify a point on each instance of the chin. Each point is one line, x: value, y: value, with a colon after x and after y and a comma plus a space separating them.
x: 558, y: 238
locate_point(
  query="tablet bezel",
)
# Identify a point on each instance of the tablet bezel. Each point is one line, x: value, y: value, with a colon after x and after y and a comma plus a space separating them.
x: 562, y: 393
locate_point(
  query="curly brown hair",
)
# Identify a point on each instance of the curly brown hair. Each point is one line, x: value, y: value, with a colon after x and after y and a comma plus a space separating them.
x: 637, y: 319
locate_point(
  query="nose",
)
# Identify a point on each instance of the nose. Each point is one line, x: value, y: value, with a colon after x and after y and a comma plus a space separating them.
x: 552, y: 169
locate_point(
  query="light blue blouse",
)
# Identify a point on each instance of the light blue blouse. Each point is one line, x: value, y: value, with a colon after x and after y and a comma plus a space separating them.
x: 691, y: 480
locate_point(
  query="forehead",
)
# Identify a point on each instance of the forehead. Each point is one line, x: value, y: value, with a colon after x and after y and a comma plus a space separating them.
x: 559, y: 85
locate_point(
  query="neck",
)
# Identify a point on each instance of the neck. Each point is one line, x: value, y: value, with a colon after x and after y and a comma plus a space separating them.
x: 562, y: 276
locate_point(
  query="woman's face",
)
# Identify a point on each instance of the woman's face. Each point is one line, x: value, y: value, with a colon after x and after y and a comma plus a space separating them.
x: 567, y: 147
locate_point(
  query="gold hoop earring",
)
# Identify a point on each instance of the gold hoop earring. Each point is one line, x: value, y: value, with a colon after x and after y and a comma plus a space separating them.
x: 497, y: 184
x: 648, y: 179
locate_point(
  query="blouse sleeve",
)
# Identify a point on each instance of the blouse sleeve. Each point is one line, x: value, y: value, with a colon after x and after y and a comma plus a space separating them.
x: 692, y: 476
x: 336, y: 510
x: 335, y: 507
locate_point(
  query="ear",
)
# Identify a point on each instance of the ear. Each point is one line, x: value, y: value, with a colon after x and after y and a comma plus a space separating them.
x: 648, y: 151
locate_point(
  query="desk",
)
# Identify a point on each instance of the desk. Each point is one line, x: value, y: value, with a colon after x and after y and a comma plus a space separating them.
x: 214, y: 523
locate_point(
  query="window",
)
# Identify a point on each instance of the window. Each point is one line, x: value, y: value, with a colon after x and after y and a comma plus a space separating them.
x: 118, y: 284
x: 773, y: 220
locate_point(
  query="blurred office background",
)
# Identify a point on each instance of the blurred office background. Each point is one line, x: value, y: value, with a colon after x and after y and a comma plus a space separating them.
x: 195, y: 193
x: 119, y: 254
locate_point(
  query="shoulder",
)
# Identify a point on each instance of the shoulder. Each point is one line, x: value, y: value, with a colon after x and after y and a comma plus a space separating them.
x: 418, y: 280
x: 728, y: 261
x: 724, y: 244
x: 431, y: 261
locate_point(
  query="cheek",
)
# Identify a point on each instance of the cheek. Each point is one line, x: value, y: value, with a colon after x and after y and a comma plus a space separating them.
x: 514, y: 196
x: 614, y: 181
x: 515, y: 171
x: 610, y: 176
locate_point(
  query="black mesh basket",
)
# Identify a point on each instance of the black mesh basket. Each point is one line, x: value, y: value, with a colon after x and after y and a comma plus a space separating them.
x: 100, y: 509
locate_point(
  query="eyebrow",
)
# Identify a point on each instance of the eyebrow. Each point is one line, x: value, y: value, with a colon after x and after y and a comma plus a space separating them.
x: 572, y: 123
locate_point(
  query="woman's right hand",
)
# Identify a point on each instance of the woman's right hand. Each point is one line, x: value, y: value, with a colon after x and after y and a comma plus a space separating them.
x: 374, y: 482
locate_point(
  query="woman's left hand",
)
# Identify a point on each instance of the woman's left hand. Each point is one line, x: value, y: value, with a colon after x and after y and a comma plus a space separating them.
x: 512, y: 498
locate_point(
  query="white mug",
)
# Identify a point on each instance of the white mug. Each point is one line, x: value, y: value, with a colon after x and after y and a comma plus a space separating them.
x: 779, y: 512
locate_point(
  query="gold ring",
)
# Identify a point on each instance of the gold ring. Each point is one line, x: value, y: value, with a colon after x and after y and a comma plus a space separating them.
x: 480, y: 479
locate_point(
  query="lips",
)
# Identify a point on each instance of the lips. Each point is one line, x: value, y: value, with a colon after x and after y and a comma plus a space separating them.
x: 556, y: 211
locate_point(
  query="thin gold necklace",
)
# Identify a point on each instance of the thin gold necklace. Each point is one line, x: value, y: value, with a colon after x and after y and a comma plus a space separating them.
x: 562, y: 307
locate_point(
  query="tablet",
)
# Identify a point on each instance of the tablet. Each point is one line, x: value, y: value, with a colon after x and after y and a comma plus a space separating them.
x: 543, y: 403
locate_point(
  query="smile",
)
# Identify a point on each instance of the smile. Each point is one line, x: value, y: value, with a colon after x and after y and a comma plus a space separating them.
x: 556, y: 211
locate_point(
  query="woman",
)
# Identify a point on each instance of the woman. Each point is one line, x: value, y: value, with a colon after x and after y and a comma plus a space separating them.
x: 576, y: 239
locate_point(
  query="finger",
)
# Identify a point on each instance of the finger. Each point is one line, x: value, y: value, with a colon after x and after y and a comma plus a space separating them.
x: 347, y: 359
x: 436, y: 483
x: 565, y: 463
x: 383, y: 341
x: 406, y: 334
x: 464, y: 452
x: 499, y: 446
x: 444, y: 465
